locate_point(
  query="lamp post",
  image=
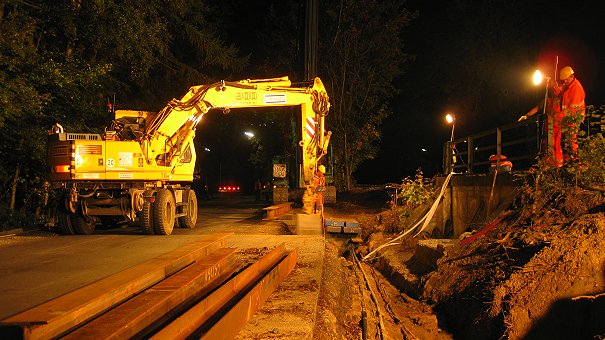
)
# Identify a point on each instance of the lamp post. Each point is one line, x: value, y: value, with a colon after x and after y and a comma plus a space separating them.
x: 451, y: 119
x: 538, y: 78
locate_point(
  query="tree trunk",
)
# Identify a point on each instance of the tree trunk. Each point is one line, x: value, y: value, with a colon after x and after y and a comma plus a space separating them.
x: 1, y: 11
x: 347, y: 172
x: 14, y: 187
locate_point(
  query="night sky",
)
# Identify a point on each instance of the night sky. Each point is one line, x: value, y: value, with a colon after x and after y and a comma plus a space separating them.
x: 474, y: 58
x: 536, y: 33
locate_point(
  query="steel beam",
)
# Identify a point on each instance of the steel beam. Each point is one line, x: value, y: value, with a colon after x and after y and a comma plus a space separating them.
x: 245, y: 293
x: 60, y: 315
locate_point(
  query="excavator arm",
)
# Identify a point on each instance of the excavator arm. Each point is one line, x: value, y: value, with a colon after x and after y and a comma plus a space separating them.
x: 171, y: 131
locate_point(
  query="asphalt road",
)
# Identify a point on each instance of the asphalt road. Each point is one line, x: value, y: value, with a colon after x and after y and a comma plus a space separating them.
x: 36, y: 267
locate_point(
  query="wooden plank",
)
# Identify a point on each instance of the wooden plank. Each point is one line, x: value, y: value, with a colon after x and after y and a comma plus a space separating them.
x: 274, y: 211
x: 186, y: 324
x: 161, y: 301
x: 61, y: 314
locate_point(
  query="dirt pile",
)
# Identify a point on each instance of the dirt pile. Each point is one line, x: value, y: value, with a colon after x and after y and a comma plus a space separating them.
x: 544, y: 279
x: 540, y: 273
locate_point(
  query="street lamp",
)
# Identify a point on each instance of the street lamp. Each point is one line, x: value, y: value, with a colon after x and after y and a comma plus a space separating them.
x: 538, y: 78
x: 249, y: 134
x: 451, y: 119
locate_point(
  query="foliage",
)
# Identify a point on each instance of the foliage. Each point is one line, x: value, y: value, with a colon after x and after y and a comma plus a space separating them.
x: 361, y: 53
x: 595, y: 120
x: 415, y: 191
x: 590, y: 170
x: 411, y: 195
x: 360, y: 56
x: 566, y: 189
x: 11, y: 219
x: 61, y: 60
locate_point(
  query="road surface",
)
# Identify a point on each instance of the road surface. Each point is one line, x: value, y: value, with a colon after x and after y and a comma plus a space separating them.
x: 36, y: 267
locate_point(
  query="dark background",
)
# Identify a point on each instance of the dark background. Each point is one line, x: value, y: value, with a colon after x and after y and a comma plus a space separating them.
x: 473, y: 58
x: 477, y: 61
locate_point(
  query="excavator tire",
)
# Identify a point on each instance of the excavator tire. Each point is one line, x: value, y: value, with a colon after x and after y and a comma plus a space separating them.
x: 164, y: 209
x: 189, y: 220
x: 64, y: 223
x: 81, y: 226
x: 147, y: 214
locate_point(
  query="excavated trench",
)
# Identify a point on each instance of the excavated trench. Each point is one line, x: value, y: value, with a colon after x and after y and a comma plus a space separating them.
x: 536, y: 274
x: 516, y: 282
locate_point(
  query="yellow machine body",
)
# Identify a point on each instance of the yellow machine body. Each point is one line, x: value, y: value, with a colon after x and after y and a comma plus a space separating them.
x: 145, y: 153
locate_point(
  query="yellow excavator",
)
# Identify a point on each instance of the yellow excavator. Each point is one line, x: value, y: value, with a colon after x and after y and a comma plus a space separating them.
x: 139, y: 169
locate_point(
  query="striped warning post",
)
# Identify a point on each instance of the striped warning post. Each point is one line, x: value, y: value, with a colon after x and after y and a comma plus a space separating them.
x: 310, y: 127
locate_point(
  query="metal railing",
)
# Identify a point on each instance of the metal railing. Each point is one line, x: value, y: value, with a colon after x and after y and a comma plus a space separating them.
x: 519, y: 142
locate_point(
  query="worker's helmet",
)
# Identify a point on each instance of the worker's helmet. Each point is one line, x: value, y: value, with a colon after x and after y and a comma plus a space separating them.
x: 565, y: 73
x: 322, y: 169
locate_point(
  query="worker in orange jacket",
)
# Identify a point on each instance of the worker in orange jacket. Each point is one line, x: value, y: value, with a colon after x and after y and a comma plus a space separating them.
x: 319, y: 180
x: 572, y: 111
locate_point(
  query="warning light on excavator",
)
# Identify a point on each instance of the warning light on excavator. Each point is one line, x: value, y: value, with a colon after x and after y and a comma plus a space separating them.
x: 61, y: 169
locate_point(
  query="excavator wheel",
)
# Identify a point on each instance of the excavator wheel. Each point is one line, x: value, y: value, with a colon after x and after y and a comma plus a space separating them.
x: 164, y: 209
x: 189, y: 220
x: 146, y: 216
x: 64, y: 222
x: 81, y: 226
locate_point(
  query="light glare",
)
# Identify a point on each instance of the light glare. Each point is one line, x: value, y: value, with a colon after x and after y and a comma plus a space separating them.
x: 538, y: 77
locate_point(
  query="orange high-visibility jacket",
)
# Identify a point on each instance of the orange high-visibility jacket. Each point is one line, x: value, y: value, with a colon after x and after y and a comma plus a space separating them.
x: 572, y: 99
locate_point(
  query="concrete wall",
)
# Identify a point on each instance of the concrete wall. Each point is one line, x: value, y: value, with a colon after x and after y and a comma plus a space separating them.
x: 465, y: 203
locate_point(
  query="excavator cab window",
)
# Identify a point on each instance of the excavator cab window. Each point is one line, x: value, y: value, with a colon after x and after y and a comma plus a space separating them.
x: 187, y: 156
x: 129, y: 128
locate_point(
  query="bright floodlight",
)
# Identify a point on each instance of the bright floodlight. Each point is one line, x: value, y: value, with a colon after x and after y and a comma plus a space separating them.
x: 423, y: 150
x: 538, y: 77
x: 450, y: 118
x: 249, y: 134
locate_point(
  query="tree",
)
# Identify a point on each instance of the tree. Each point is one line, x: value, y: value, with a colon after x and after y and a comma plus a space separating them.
x: 39, y: 88
x: 59, y: 61
x: 361, y: 55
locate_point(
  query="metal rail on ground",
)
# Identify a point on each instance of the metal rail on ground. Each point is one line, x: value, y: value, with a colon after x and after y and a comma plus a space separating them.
x: 131, y: 304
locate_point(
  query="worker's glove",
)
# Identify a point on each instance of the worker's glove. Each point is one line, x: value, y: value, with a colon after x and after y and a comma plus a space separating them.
x: 524, y: 117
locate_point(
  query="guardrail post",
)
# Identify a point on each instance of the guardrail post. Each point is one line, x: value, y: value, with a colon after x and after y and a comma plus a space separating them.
x: 498, y: 147
x: 470, y: 156
x: 447, y: 157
